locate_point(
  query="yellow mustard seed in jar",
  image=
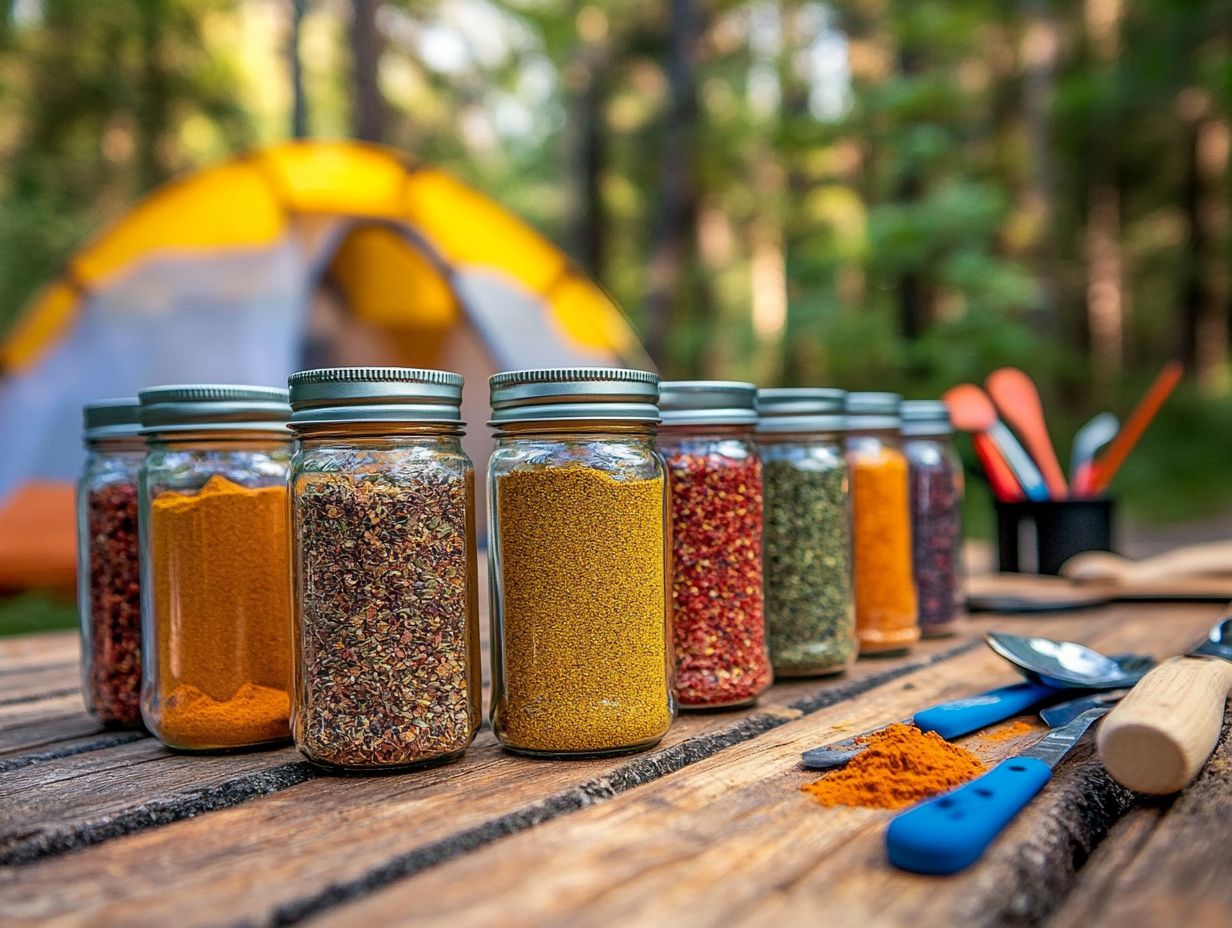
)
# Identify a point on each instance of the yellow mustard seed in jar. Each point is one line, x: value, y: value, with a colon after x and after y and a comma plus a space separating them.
x: 584, y: 620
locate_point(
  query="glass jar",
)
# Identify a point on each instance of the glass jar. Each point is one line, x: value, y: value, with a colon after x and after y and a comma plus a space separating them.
x: 215, y: 566
x: 718, y: 609
x: 936, y: 514
x: 809, y: 609
x: 386, y: 608
x: 581, y: 659
x: 886, y: 613
x: 109, y: 563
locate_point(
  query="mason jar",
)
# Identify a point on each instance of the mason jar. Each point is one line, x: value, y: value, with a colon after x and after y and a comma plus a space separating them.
x: 581, y: 661
x: 215, y: 566
x: 936, y: 477
x: 809, y: 608
x: 886, y: 610
x: 715, y: 482
x: 109, y: 563
x: 386, y: 609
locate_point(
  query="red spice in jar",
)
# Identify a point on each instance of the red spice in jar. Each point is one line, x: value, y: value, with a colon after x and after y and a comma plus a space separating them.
x: 718, y: 616
x: 113, y: 668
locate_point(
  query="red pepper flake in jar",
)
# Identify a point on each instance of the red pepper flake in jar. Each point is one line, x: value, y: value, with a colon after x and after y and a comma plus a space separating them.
x: 113, y: 626
x: 718, y: 615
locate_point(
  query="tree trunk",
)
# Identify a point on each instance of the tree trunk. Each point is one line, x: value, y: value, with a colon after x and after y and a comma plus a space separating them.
x: 1039, y: 55
x: 295, y: 69
x: 586, y: 94
x: 152, y: 114
x: 1205, y: 285
x: 1107, y: 301
x: 368, y: 111
x: 675, y: 241
x: 914, y: 297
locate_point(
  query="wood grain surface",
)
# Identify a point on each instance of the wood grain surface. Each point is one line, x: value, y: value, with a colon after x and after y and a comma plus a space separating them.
x: 708, y: 828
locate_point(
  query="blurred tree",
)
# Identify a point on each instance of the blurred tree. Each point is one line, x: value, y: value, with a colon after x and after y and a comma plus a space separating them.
x: 369, y: 106
x: 295, y: 69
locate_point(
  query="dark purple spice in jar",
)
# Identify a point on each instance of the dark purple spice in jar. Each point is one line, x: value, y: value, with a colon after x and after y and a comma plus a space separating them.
x: 936, y: 481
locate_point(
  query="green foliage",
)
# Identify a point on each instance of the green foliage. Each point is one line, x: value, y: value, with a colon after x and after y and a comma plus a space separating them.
x: 948, y: 192
x: 35, y: 612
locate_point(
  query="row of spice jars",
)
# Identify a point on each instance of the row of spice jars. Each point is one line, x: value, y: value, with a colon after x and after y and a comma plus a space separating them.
x: 386, y: 634
x: 371, y: 654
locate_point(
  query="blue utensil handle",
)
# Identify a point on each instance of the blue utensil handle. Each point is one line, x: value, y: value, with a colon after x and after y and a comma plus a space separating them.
x: 963, y: 716
x: 949, y: 833
x: 1020, y: 462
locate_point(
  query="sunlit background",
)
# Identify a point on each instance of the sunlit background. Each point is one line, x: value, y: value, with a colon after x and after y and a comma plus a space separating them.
x: 876, y: 193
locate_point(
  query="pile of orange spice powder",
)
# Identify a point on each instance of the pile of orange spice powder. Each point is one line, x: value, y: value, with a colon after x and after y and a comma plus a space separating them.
x: 899, y: 766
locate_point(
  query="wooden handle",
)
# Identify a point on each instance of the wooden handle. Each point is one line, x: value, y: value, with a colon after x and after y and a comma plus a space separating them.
x: 1207, y: 560
x: 1161, y: 734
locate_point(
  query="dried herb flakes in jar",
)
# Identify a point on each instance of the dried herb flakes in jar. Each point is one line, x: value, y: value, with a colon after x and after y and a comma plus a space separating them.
x: 384, y: 619
x: 809, y: 608
x: 387, y: 630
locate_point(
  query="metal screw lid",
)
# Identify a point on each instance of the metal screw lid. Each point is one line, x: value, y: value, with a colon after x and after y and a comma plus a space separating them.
x: 707, y: 402
x: 873, y: 410
x: 213, y: 407
x: 800, y: 409
x: 926, y: 417
x: 115, y: 418
x: 560, y: 393
x: 375, y: 394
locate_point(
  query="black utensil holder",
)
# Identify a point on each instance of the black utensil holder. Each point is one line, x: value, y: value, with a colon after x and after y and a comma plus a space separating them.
x: 1038, y: 537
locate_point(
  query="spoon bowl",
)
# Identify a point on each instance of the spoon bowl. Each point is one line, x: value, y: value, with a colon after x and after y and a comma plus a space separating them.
x: 1066, y: 664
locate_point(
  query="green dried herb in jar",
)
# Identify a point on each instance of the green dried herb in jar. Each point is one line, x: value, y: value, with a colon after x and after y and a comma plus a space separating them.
x: 580, y: 651
x: 809, y: 608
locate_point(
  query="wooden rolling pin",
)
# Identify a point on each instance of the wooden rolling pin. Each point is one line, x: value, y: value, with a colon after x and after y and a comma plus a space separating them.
x: 1159, y: 736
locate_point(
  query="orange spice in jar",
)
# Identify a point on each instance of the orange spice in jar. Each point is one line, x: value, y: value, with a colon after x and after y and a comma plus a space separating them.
x: 887, y: 615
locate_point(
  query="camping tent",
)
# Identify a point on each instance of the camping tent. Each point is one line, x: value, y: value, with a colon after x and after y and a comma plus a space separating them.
x: 305, y: 254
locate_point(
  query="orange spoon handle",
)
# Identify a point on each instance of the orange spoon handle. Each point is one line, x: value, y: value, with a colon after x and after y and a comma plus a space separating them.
x: 1112, y: 459
x: 1018, y: 401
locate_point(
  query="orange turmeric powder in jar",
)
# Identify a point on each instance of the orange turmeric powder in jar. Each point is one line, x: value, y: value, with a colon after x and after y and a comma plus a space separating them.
x: 887, y: 616
x: 216, y: 566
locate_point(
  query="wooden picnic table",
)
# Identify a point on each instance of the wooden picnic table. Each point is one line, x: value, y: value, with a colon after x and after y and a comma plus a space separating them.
x: 709, y: 828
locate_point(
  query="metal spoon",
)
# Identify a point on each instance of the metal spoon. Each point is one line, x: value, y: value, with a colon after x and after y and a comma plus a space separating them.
x: 1064, y: 664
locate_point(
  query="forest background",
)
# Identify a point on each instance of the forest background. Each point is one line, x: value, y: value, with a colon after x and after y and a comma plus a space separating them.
x: 863, y: 193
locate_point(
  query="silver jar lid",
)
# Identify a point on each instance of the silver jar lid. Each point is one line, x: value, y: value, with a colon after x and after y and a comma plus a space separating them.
x: 559, y: 393
x: 213, y: 408
x: 707, y: 402
x: 117, y: 418
x: 375, y: 394
x: 800, y: 409
x: 926, y: 417
x: 873, y: 411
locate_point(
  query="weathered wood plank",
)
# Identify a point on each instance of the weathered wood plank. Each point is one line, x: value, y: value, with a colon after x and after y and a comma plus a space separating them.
x: 68, y: 747
x: 35, y: 726
x: 80, y: 800
x: 733, y: 840
x: 317, y: 833
x: 89, y: 797
x: 47, y: 649
x: 1171, y: 863
x: 319, y: 844
x: 38, y: 683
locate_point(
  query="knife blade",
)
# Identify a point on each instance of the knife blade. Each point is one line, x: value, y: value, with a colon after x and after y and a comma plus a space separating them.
x: 1160, y: 736
x: 948, y: 833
